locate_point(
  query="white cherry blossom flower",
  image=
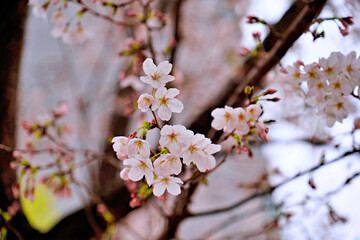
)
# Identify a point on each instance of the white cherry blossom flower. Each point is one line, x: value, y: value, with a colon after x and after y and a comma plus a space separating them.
x: 254, y: 111
x: 351, y: 66
x: 120, y: 146
x: 193, y: 150
x: 331, y: 66
x: 241, y: 125
x: 171, y: 184
x: 174, y: 138
x: 208, y: 162
x: 138, y: 146
x: 337, y: 109
x: 166, y: 103
x: 144, y: 102
x: 167, y: 164
x: 140, y: 167
x: 59, y: 19
x: 224, y: 118
x: 157, y: 76
x: 312, y: 73
x: 340, y: 86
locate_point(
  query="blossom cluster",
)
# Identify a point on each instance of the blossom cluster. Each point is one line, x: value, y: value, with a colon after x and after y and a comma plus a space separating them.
x: 178, y: 145
x: 242, y: 123
x: 326, y: 85
x: 64, y: 27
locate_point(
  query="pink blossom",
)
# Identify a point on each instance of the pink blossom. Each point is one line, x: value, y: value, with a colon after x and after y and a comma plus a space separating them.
x: 170, y: 184
x: 157, y: 76
x: 167, y: 164
x: 166, y: 103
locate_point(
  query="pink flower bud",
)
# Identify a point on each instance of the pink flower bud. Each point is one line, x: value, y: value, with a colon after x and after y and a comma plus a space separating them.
x: 131, y: 13
x: 17, y: 154
x: 101, y: 208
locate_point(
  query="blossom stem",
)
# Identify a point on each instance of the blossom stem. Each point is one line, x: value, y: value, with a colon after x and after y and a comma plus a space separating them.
x: 156, y: 120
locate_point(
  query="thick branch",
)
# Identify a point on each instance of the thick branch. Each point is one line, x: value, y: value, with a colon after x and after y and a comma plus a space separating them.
x: 292, y: 25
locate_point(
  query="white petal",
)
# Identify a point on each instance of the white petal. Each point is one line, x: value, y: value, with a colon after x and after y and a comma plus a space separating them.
x: 164, y: 68
x: 164, y: 113
x: 149, y: 175
x: 173, y: 188
x: 175, y: 105
x: 134, y: 174
x: 124, y: 174
x: 155, y: 105
x: 160, y: 92
x: 147, y: 80
x: 172, y: 92
x: 149, y: 66
x: 159, y: 189
x: 167, y: 78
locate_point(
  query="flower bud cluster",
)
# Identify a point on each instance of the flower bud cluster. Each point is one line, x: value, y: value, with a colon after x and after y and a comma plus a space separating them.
x: 326, y: 85
x: 178, y: 145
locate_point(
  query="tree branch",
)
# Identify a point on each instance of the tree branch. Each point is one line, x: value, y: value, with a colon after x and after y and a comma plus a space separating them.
x: 272, y: 189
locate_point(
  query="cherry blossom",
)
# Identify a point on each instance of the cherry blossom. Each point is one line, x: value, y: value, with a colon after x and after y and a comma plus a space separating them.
x: 144, y: 102
x: 174, y: 138
x: 120, y: 146
x: 254, y: 111
x: 337, y: 109
x: 193, y: 149
x: 331, y: 66
x: 139, y: 147
x: 157, y: 76
x: 171, y: 184
x: 166, y: 103
x: 224, y: 118
x: 139, y: 167
x: 241, y: 125
x: 167, y: 164
x: 208, y: 162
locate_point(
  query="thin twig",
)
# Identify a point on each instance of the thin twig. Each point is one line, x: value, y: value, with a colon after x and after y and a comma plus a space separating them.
x: 271, y: 189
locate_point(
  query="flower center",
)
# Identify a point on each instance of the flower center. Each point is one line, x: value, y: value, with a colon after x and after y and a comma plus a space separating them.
x: 165, y: 180
x: 339, y: 105
x: 156, y: 76
x: 227, y: 116
x: 312, y: 74
x: 349, y: 68
x: 139, y: 144
x: 320, y: 85
x: 241, y: 117
x: 193, y: 149
x: 337, y: 85
x: 172, y: 137
x: 142, y: 166
x: 329, y: 70
x: 164, y: 101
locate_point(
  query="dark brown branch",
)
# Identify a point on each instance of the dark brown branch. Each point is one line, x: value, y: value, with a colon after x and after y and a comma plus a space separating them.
x: 272, y: 189
x: 292, y: 25
x: 177, y: 30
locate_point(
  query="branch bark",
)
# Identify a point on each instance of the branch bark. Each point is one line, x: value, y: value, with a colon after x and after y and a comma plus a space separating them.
x: 291, y: 26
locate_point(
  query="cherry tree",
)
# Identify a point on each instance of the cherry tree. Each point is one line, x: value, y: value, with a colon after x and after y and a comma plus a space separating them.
x: 178, y: 118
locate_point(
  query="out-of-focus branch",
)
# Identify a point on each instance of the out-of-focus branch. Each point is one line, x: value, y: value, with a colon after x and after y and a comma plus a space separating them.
x: 291, y: 26
x: 177, y: 30
x: 273, y: 188
x: 93, y: 12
